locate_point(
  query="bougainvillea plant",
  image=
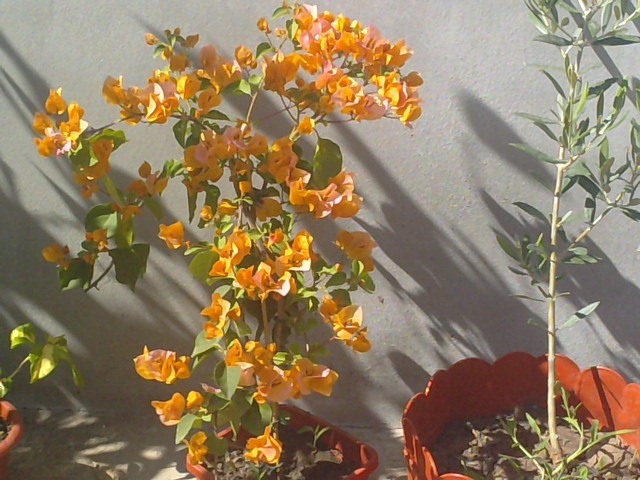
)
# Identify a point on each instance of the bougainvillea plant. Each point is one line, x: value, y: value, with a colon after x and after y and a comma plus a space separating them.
x: 270, y: 287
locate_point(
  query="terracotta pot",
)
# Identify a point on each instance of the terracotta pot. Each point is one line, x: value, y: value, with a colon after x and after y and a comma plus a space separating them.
x: 475, y: 388
x: 354, y: 451
x: 9, y: 414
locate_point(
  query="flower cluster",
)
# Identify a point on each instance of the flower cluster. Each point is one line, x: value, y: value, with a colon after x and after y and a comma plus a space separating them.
x: 270, y: 283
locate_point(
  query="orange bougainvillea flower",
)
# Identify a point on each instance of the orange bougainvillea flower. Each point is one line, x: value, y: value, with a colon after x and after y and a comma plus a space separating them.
x: 170, y: 412
x: 273, y: 385
x: 162, y: 366
x: 298, y: 256
x: 265, y: 284
x: 173, y: 235
x: 308, y: 377
x: 347, y: 326
x: 357, y: 246
x: 219, y: 313
x: 197, y: 448
x: 237, y: 357
x: 282, y: 160
x: 56, y: 254
x: 265, y: 448
x: 55, y: 104
x: 194, y: 401
x: 99, y: 237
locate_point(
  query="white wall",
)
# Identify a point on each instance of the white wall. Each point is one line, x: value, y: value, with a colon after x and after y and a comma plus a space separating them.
x: 434, y: 195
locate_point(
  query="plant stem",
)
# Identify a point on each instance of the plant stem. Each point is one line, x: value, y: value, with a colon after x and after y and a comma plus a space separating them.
x: 556, y: 451
x: 265, y: 322
x: 18, y: 368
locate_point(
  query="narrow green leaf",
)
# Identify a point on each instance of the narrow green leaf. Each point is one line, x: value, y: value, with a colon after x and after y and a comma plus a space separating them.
x: 508, y: 247
x: 555, y: 83
x: 553, y: 40
x: 580, y: 314
x: 204, y: 345
x: 536, y: 153
x: 280, y: 12
x: 534, y: 212
x: 262, y: 49
x: 616, y: 40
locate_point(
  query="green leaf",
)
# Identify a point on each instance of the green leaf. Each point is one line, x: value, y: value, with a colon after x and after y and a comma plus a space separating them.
x: 555, y: 83
x: 217, y: 446
x: 201, y: 264
x: 204, y: 345
x: 339, y: 278
x: 252, y: 420
x: 172, y: 168
x: 217, y: 115
x: 78, y: 274
x: 580, y: 314
x: 327, y: 162
x: 116, y: 136
x: 536, y: 153
x: 601, y: 87
x: 5, y: 387
x: 616, y: 40
x: 631, y: 213
x: 242, y: 86
x: 102, y: 217
x: 229, y: 380
x: 180, y: 129
x: 130, y: 263
x: 280, y: 12
x: 43, y: 362
x: 553, y: 40
x: 508, y: 247
x: 184, y: 426
x: 22, y: 335
x: 534, y: 212
x: 262, y: 49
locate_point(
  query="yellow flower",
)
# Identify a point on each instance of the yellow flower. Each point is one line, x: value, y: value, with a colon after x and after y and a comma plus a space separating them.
x: 173, y: 235
x: 162, y: 366
x: 265, y: 448
x: 170, y: 412
x: 41, y: 123
x: 298, y: 256
x: 197, y: 448
x: 55, y: 104
x: 357, y: 246
x: 266, y: 284
x: 308, y: 377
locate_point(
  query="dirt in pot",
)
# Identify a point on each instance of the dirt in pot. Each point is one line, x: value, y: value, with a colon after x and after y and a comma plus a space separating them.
x: 300, y: 461
x: 482, y: 448
x: 4, y: 429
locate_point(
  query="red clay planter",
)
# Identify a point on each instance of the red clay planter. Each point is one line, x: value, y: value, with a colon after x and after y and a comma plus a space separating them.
x: 354, y: 450
x: 475, y: 388
x: 9, y: 414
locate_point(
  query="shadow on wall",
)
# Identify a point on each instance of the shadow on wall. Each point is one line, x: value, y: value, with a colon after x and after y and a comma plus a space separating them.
x: 103, y: 343
x: 620, y: 299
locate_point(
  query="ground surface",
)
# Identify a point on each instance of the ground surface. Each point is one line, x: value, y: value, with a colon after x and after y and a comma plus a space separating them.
x: 84, y: 446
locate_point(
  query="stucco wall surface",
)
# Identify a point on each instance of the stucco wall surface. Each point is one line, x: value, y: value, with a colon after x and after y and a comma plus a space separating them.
x: 435, y: 197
